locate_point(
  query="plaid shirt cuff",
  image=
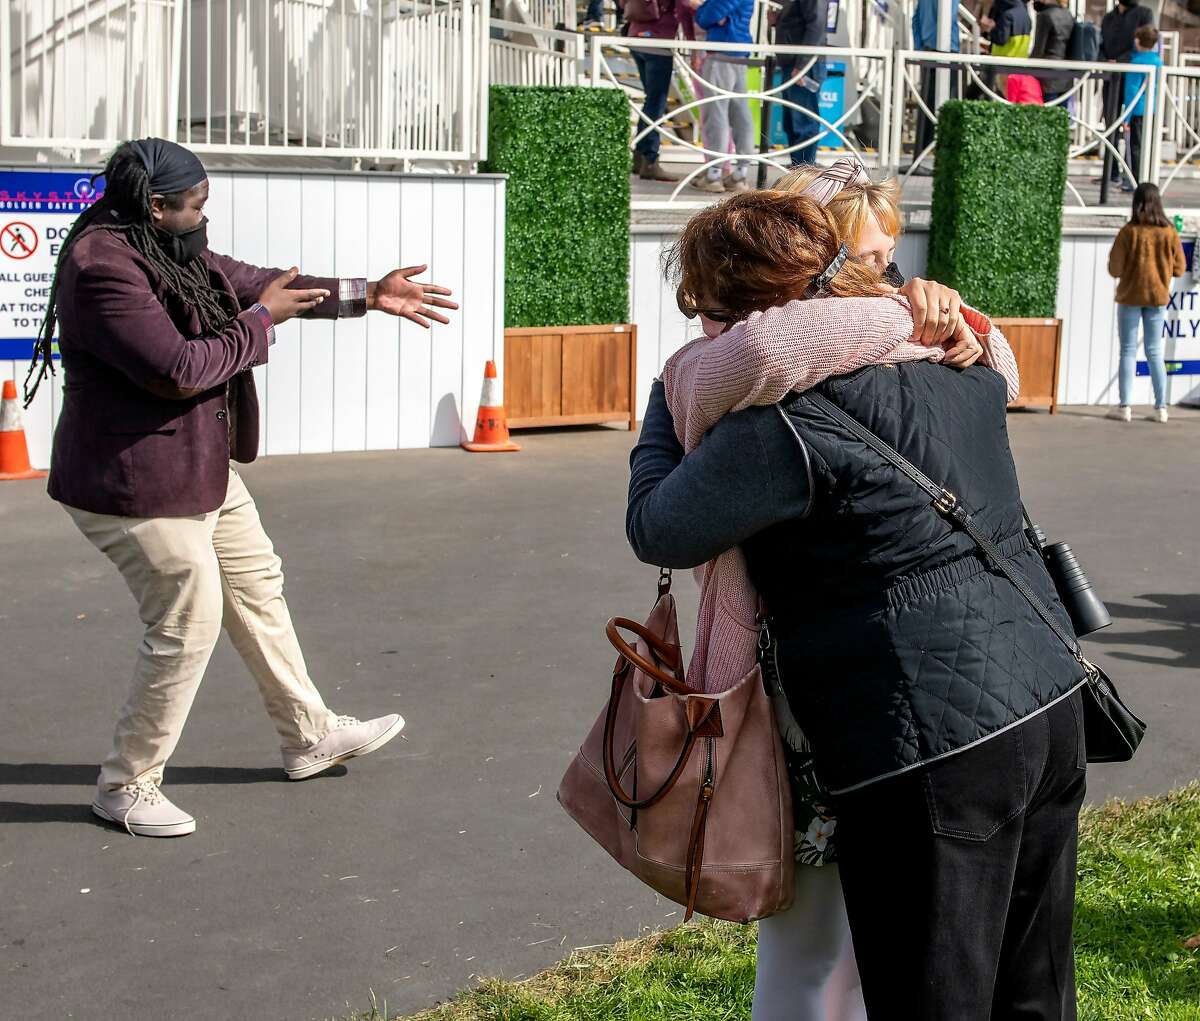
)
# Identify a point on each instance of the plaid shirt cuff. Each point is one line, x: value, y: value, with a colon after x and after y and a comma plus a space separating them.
x: 260, y: 310
x: 352, y: 297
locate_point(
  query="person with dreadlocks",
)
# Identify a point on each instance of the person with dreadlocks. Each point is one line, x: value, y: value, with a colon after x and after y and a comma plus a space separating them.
x: 158, y: 336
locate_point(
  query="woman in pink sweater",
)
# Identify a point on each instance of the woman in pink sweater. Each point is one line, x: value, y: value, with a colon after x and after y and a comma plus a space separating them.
x: 806, y: 966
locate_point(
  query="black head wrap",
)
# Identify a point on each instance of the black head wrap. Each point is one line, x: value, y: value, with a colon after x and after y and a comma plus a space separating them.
x: 171, y: 167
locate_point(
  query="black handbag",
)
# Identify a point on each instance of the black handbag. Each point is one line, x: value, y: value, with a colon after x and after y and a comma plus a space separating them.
x: 1113, y: 732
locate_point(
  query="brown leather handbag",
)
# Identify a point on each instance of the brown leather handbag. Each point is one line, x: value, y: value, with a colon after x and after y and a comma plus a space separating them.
x: 686, y: 790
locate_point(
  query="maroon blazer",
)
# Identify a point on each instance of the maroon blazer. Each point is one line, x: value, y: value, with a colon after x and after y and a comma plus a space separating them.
x: 152, y: 410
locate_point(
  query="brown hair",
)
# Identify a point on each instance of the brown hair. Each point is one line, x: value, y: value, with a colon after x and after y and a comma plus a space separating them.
x: 760, y: 249
x: 854, y: 204
x: 1148, y: 208
x: 1147, y: 37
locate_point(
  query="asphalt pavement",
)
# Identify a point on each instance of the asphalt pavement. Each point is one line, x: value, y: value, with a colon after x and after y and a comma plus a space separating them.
x: 469, y: 593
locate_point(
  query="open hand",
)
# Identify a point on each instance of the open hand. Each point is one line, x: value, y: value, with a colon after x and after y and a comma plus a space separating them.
x: 399, y: 295
x: 284, y: 302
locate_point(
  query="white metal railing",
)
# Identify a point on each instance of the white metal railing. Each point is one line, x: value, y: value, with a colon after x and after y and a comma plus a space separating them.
x: 406, y: 80
x: 395, y: 80
x: 891, y: 84
x: 696, y: 92
x: 527, y: 55
x: 1091, y: 135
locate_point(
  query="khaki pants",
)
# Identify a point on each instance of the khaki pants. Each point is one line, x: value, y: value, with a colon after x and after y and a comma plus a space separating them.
x: 189, y: 576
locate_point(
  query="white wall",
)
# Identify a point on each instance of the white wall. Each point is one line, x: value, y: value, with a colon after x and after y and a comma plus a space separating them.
x: 1088, y: 372
x: 361, y: 384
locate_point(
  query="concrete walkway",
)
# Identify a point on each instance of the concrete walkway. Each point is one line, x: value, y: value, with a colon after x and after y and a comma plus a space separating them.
x: 470, y: 594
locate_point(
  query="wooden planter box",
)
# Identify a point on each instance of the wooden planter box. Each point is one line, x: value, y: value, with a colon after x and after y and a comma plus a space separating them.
x: 1037, y: 343
x: 570, y: 375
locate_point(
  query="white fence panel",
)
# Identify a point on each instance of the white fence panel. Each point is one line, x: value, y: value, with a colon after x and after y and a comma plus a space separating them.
x: 383, y: 384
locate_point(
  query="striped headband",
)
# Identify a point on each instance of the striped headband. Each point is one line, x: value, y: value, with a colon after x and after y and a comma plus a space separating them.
x: 843, y: 173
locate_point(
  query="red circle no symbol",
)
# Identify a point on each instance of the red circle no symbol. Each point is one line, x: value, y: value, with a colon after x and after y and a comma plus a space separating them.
x: 18, y: 240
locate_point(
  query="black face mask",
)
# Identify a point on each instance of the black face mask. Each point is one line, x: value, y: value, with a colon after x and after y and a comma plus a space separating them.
x: 186, y: 245
x: 892, y: 275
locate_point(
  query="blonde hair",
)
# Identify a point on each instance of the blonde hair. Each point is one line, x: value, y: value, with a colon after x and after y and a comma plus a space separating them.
x: 854, y: 204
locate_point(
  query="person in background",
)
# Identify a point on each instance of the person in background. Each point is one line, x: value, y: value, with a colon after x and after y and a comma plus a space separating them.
x: 1009, y: 29
x: 802, y: 23
x: 594, y: 16
x: 726, y: 21
x: 1051, y: 41
x: 1145, y: 51
x: 158, y: 338
x: 1144, y: 258
x: 655, y: 67
x: 1117, y: 28
x: 924, y: 30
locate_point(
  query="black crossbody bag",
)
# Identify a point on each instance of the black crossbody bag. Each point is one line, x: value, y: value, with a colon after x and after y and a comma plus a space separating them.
x: 1113, y: 732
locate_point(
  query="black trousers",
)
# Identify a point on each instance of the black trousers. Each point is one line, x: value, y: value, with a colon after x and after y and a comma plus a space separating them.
x: 1113, y: 94
x: 926, y: 129
x: 1135, y: 146
x: 960, y: 878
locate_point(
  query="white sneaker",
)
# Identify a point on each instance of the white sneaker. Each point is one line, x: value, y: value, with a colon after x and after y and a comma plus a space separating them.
x: 1157, y: 415
x: 706, y: 183
x: 1121, y: 413
x: 736, y: 183
x: 143, y: 810
x: 349, y: 738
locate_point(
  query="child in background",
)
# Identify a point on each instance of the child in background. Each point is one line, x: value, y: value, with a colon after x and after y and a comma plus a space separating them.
x: 1145, y: 51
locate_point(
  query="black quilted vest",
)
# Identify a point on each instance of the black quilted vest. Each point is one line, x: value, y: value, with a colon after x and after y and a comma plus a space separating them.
x: 897, y: 645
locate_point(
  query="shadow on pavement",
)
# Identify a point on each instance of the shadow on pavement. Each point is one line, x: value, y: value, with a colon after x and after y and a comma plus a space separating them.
x: 1181, y: 611
x: 55, y: 774
x: 49, y: 774
x: 20, y: 811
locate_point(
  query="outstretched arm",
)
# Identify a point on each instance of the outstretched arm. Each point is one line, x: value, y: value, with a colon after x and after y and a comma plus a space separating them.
x: 396, y: 293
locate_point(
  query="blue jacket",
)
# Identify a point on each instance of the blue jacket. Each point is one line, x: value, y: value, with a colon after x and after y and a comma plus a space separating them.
x: 726, y: 21
x: 924, y: 25
x: 1133, y: 82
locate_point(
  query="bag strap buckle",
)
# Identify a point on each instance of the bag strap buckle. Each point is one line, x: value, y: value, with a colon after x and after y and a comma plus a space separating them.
x: 946, y: 502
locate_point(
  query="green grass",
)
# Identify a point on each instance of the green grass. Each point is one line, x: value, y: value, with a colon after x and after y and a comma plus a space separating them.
x: 1139, y: 901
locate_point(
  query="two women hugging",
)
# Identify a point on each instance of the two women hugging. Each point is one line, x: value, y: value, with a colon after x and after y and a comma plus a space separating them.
x: 794, y: 286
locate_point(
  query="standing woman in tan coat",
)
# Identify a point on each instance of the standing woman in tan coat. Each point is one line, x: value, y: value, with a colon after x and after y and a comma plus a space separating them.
x: 1145, y: 257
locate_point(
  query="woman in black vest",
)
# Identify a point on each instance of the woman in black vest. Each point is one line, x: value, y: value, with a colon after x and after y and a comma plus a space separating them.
x: 944, y: 714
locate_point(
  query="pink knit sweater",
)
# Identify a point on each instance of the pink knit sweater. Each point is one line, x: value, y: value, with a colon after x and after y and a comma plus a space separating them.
x: 792, y: 347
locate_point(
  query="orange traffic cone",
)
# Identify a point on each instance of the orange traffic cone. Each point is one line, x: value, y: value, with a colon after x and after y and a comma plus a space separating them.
x: 14, y: 453
x: 491, y: 426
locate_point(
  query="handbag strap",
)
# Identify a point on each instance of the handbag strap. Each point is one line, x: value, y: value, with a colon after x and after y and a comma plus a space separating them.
x: 948, y: 505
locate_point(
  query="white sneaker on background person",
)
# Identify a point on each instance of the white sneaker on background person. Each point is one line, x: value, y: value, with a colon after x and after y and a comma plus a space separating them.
x: 1158, y: 415
x: 349, y: 738
x: 736, y: 183
x: 143, y: 810
x: 1121, y: 413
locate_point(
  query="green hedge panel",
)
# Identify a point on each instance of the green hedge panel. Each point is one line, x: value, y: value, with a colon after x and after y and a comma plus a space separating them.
x: 997, y: 205
x: 566, y: 153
